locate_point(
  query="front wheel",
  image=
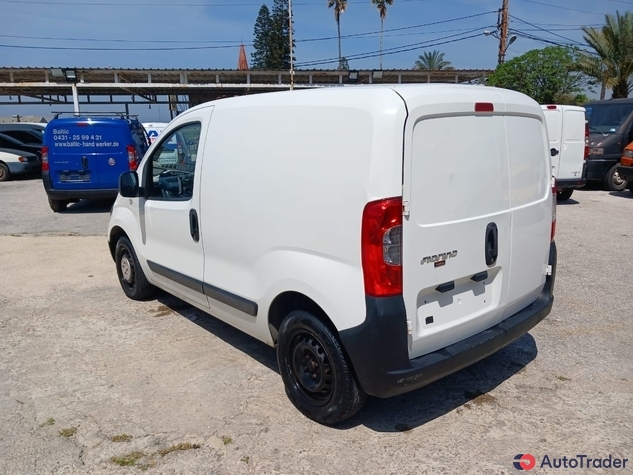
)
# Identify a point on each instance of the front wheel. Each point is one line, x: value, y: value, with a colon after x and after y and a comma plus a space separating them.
x: 613, y: 181
x: 131, y: 275
x: 564, y: 195
x: 318, y: 378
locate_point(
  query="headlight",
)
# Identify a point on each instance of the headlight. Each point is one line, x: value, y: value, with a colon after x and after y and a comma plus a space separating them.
x: 596, y: 151
x: 628, y: 154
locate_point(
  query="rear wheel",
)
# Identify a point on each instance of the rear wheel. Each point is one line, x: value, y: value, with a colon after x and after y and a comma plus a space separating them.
x: 131, y: 275
x: 57, y: 205
x: 564, y: 195
x: 613, y: 181
x: 4, y: 172
x: 318, y: 378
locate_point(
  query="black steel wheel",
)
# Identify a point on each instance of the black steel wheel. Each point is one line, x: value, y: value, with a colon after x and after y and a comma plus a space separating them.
x: 564, y: 195
x: 318, y: 378
x: 131, y: 275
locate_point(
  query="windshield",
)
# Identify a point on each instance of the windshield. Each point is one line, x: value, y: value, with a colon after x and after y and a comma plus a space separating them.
x: 607, y: 118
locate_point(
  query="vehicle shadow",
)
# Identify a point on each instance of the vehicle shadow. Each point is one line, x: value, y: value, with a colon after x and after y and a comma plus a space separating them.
x: 89, y: 206
x: 567, y: 202
x: 623, y: 194
x: 466, y: 389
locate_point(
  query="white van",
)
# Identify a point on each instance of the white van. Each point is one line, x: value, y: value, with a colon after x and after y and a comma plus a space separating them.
x: 154, y: 129
x: 380, y: 237
x: 568, y: 133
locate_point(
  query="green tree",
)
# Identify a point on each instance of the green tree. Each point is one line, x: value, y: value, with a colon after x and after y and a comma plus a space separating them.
x: 339, y: 7
x: 433, y: 61
x: 548, y: 75
x: 613, y: 66
x: 262, y: 57
x: 280, y: 37
x: 381, y: 5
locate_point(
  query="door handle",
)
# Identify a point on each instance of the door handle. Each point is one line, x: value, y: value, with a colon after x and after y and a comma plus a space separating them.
x: 84, y: 162
x: 491, y: 250
x: 194, y: 229
x: 553, y: 152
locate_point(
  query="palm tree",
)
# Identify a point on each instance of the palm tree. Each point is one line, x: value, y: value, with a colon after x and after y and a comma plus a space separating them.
x: 433, y: 61
x: 381, y: 5
x: 613, y: 44
x: 339, y: 7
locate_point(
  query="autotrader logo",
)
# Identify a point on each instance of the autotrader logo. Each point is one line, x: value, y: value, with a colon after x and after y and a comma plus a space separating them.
x: 524, y: 462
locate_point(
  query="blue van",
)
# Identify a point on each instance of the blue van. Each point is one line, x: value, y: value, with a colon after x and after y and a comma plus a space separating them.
x: 83, y: 156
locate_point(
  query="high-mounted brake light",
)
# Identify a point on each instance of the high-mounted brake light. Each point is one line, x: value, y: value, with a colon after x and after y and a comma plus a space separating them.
x: 132, y: 157
x: 45, y: 158
x: 82, y: 124
x: 554, y: 193
x: 484, y: 107
x: 551, y: 107
x: 381, y: 247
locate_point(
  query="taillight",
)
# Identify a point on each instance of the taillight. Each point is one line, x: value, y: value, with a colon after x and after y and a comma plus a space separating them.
x: 554, y: 193
x: 381, y: 247
x: 44, y: 158
x: 586, y: 140
x: 132, y: 157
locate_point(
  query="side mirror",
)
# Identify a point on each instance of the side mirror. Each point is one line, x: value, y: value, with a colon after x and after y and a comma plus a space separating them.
x: 128, y: 185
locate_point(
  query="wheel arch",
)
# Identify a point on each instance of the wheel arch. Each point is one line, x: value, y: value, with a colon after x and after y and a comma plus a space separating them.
x: 289, y: 301
x: 115, y: 234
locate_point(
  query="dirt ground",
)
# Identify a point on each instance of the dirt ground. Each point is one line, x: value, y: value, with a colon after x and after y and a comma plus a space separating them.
x: 94, y: 383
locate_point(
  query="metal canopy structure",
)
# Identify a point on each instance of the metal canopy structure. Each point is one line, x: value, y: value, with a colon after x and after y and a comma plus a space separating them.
x: 188, y: 87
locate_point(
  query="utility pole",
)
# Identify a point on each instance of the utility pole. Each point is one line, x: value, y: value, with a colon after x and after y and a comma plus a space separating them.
x: 292, y: 68
x: 502, y: 26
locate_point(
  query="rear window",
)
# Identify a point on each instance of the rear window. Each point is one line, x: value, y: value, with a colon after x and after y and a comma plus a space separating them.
x: 91, y: 138
x: 24, y: 136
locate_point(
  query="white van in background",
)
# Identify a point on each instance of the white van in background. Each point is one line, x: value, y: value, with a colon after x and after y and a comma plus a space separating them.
x: 375, y: 261
x: 568, y: 133
x: 154, y: 129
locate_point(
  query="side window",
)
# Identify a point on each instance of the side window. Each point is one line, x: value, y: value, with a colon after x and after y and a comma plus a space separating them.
x: 172, y: 166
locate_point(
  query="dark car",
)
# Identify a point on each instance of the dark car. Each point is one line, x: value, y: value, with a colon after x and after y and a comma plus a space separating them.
x: 610, y: 131
x: 31, y: 146
x: 83, y: 156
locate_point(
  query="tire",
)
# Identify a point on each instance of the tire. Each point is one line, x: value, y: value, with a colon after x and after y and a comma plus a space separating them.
x: 564, y: 195
x: 5, y: 174
x: 318, y: 378
x: 57, y: 205
x: 131, y: 275
x: 612, y: 180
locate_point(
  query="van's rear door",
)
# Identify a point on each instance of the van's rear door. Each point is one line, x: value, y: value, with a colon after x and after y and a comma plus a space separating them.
x: 572, y: 156
x: 68, y: 156
x: 110, y: 153
x: 476, y: 238
x: 554, y: 118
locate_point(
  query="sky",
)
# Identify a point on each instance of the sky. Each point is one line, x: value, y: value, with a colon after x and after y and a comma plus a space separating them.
x: 207, y: 33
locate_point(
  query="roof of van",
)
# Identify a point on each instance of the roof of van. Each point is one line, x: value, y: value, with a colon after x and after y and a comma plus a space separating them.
x: 93, y: 119
x: 627, y: 100
x: 408, y: 92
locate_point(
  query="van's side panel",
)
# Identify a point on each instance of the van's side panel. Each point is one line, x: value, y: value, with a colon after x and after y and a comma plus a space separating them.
x: 284, y: 187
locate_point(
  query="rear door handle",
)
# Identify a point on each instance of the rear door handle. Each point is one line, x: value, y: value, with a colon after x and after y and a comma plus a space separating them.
x: 84, y: 162
x: 491, y: 249
x: 553, y: 152
x: 194, y: 229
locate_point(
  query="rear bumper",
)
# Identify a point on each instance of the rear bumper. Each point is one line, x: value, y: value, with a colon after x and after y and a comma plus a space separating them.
x: 378, y: 348
x: 597, y: 168
x: 87, y: 194
x: 626, y: 173
x: 572, y: 183
x: 17, y: 168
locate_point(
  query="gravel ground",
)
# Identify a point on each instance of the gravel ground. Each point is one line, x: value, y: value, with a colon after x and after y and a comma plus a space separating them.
x: 91, y: 381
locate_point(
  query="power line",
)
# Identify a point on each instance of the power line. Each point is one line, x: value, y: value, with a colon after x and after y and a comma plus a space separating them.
x: 395, y: 50
x: 154, y: 4
x: 563, y: 8
x: 198, y: 47
x: 547, y: 31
